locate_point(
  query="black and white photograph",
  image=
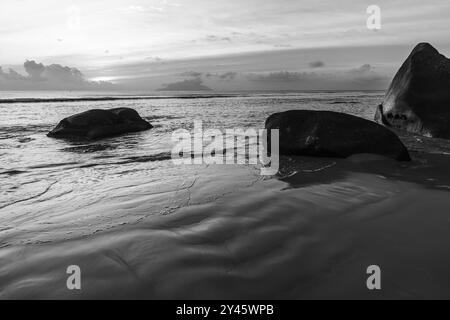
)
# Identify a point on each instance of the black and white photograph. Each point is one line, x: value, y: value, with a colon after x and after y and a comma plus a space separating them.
x: 224, y: 156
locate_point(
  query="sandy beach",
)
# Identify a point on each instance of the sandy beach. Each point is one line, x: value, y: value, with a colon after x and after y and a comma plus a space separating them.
x: 309, y: 233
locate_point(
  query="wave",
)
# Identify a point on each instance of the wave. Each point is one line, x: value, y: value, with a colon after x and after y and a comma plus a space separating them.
x: 111, y: 98
x: 89, y: 148
x: 163, y: 156
x: 344, y: 102
x: 12, y: 172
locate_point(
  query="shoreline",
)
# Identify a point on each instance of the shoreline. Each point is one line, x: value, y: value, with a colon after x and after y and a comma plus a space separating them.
x: 276, y: 238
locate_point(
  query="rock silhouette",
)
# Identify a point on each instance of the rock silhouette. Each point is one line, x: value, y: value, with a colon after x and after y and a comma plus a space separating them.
x: 332, y: 134
x: 418, y: 99
x: 97, y: 124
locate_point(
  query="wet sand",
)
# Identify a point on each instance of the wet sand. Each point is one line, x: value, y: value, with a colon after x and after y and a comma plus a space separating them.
x: 309, y: 233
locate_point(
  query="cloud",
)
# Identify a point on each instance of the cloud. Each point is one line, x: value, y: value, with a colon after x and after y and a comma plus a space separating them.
x: 51, y: 77
x: 154, y: 59
x: 243, y: 38
x: 11, y: 75
x: 214, y: 38
x: 364, y: 69
x: 283, y: 46
x: 136, y: 8
x: 211, y: 38
x: 194, y: 74
x: 195, y: 84
x: 367, y: 76
x: 317, y: 64
x: 34, y: 69
x: 230, y: 75
x: 364, y: 77
x: 280, y: 76
x: 141, y: 9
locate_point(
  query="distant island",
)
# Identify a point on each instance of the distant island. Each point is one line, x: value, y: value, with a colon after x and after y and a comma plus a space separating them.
x: 186, y: 85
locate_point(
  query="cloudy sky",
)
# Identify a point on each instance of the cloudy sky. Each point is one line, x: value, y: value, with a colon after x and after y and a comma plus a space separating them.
x: 222, y: 45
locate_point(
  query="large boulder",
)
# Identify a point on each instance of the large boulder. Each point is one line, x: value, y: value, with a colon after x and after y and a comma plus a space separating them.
x: 332, y: 134
x: 418, y: 99
x: 96, y: 124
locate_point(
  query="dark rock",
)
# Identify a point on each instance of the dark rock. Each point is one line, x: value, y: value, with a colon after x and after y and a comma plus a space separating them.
x: 96, y: 124
x: 332, y: 134
x: 418, y: 99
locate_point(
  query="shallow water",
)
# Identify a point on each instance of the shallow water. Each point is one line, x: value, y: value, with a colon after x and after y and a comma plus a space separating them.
x: 124, y: 212
x: 44, y: 177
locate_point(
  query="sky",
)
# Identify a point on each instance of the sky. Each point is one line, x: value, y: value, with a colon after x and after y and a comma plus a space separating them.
x: 210, y: 44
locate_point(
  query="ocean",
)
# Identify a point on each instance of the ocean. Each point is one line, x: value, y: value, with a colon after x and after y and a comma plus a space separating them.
x: 132, y: 219
x: 31, y: 162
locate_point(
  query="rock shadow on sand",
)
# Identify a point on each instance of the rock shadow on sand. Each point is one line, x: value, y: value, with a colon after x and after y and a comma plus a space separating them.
x: 428, y: 170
